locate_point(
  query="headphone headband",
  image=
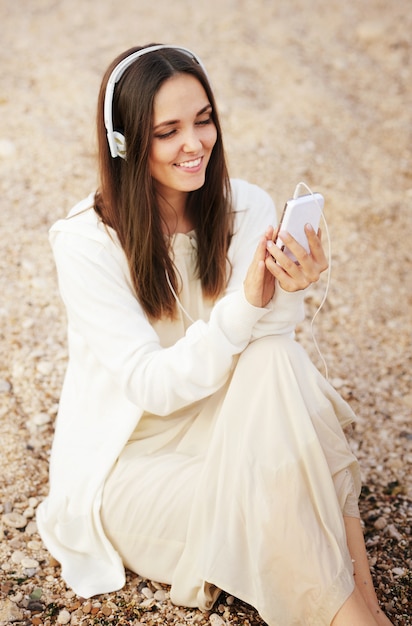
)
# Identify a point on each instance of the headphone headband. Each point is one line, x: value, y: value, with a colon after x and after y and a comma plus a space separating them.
x: 115, y: 139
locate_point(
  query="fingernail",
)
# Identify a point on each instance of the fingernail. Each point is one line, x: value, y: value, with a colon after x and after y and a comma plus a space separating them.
x: 309, y: 227
x: 284, y: 235
x: 269, y: 244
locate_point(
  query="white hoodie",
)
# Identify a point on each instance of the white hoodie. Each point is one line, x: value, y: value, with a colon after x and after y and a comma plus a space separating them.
x: 117, y: 369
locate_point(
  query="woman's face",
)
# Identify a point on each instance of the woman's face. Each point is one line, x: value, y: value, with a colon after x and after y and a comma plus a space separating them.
x: 183, y: 137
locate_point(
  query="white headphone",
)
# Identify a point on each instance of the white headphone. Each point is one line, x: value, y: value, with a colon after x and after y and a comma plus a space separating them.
x: 116, y: 140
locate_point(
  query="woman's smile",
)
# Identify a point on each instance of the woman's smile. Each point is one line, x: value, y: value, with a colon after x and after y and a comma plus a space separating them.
x: 190, y: 165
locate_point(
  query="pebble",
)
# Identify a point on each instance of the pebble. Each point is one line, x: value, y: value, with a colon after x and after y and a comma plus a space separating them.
x: 216, y: 620
x: 160, y: 595
x: 17, y: 597
x: 41, y: 419
x: 45, y: 367
x: 87, y: 607
x: 148, y: 593
x: 17, y: 557
x: 15, y: 542
x: 398, y: 571
x: 9, y: 612
x: 29, y: 512
x: 29, y: 563
x: 394, y: 533
x: 380, y: 523
x: 63, y: 617
x: 5, y: 386
x: 31, y: 528
x: 7, y: 507
x: 14, y: 520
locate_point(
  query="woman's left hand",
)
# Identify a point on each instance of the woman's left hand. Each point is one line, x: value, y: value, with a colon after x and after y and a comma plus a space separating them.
x: 294, y: 276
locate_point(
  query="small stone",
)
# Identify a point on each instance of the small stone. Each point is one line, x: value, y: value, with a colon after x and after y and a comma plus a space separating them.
x: 31, y: 528
x: 17, y: 557
x: 380, y: 523
x: 9, y: 612
x: 398, y: 571
x: 14, y: 520
x: 216, y: 620
x: 87, y: 607
x: 45, y: 367
x: 28, y: 563
x: 40, y: 419
x: 106, y: 610
x: 15, y: 543
x: 160, y: 595
x: 63, y: 617
x: 17, y: 597
x: 5, y: 386
x: 394, y: 533
x: 148, y: 593
x: 35, y: 606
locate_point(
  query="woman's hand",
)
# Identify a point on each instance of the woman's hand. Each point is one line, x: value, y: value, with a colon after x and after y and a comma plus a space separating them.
x: 293, y: 276
x: 259, y: 284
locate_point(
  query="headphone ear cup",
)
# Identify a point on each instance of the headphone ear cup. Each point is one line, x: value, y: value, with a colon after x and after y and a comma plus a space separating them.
x: 120, y: 142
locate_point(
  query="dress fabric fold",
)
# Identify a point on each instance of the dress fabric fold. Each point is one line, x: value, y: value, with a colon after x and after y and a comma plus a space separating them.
x: 244, y: 490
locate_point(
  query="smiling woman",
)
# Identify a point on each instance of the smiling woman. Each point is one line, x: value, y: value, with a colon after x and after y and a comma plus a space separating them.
x: 184, y: 135
x: 196, y: 444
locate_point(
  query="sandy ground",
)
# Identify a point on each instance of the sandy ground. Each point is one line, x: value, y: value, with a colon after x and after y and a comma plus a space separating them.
x: 317, y: 91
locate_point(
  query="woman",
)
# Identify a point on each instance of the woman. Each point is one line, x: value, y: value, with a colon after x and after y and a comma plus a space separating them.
x: 196, y: 444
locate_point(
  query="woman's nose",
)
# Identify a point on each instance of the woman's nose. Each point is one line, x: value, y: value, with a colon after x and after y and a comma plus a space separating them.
x: 191, y: 141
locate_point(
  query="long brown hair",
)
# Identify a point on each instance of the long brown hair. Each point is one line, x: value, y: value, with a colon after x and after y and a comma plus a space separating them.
x: 126, y: 199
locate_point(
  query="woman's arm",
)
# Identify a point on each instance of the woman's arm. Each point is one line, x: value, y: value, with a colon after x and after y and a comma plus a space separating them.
x: 103, y: 312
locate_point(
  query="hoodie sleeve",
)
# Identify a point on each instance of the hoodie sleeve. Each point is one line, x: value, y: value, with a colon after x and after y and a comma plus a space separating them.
x: 103, y: 313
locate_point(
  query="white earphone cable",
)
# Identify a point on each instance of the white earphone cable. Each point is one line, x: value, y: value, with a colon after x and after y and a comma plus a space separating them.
x: 176, y: 297
x: 296, y: 194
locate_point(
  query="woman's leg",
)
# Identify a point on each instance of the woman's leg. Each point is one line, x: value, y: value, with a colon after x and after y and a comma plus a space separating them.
x: 363, y: 578
x: 354, y: 612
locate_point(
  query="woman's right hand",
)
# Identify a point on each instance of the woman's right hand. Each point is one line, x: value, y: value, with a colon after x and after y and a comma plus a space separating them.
x: 259, y: 284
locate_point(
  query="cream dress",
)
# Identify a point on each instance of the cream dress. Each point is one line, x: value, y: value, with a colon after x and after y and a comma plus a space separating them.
x: 244, y: 490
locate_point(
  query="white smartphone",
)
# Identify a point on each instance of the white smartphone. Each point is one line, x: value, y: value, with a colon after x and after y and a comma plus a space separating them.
x: 306, y: 209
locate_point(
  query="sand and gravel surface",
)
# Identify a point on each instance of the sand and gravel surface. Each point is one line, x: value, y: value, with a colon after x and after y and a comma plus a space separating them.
x: 318, y: 91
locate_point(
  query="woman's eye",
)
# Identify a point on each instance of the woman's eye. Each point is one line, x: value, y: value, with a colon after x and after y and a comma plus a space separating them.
x: 173, y: 131
x: 208, y: 120
x: 165, y: 135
